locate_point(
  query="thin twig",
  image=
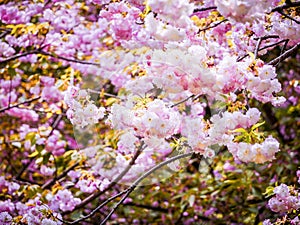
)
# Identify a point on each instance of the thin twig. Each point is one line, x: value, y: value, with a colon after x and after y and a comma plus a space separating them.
x: 286, y: 6
x: 262, y: 48
x: 182, y: 101
x: 140, y: 179
x: 212, y: 26
x: 5, y: 32
x: 20, y: 103
x: 39, y: 51
x: 105, y: 94
x: 285, y: 55
x: 95, y: 210
x: 178, y: 221
x: 257, y: 48
x: 18, y: 56
x: 113, y: 183
x: 266, y: 37
x: 10, y: 88
x: 204, y: 9
x: 288, y: 16
x: 68, y: 59
x: 18, y: 176
x: 55, y: 124
x: 272, y: 45
x: 63, y: 174
x: 186, y: 99
x: 286, y: 41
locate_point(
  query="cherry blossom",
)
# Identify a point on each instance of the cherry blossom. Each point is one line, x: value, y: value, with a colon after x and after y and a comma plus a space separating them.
x: 141, y: 83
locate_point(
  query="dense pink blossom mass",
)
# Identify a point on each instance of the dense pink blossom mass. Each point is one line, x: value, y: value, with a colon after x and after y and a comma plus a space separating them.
x: 180, y: 112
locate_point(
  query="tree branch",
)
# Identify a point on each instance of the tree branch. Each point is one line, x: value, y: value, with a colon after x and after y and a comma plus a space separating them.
x: 257, y: 48
x: 286, y: 6
x: 266, y: 37
x: 20, y: 103
x: 39, y: 51
x: 285, y: 55
x: 64, y: 173
x: 18, y: 56
x: 95, y: 210
x: 113, y: 183
x: 288, y: 16
x: 213, y: 25
x: 68, y: 59
x: 140, y: 179
x: 182, y: 101
x: 262, y: 48
x: 178, y: 221
x: 204, y: 9
x: 272, y: 45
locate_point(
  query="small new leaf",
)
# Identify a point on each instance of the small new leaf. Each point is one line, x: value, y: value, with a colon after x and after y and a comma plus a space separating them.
x: 257, y: 125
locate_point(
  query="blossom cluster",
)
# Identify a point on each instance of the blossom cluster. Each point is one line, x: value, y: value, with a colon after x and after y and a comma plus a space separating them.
x: 183, y: 75
x: 33, y: 212
x: 244, y: 10
x: 153, y: 118
x: 284, y: 201
x: 258, y: 153
x: 82, y: 110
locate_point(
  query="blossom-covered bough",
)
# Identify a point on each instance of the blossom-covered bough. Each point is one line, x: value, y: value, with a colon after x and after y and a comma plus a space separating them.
x: 101, y: 100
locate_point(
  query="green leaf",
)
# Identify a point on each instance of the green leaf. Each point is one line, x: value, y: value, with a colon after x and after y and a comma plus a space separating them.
x: 46, y: 158
x: 30, y: 136
x: 253, y: 210
x: 11, y: 72
x: 257, y: 125
x: 269, y: 191
x: 39, y: 148
x: 110, y: 101
x: 241, y: 130
x: 34, y: 154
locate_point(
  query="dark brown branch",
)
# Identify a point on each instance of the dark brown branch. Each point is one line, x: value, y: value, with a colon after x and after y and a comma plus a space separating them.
x: 272, y: 45
x: 286, y: 6
x: 283, y: 49
x: 182, y: 101
x: 178, y: 221
x: 266, y: 37
x: 18, y: 176
x: 63, y: 174
x: 213, y: 25
x: 288, y: 16
x: 4, y: 32
x: 262, y: 48
x: 285, y: 55
x: 204, y: 9
x: 55, y: 124
x: 39, y: 51
x: 257, y: 48
x: 240, y: 58
x: 141, y: 178
x: 68, y: 59
x: 94, y: 211
x: 113, y: 183
x: 17, y: 56
x: 194, y: 97
x: 23, y: 181
x: 20, y: 103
